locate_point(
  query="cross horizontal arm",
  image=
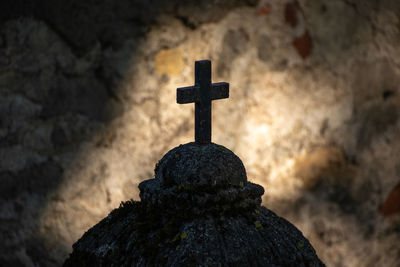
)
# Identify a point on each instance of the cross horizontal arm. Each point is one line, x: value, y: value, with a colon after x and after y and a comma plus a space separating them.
x: 186, y: 95
x: 219, y: 91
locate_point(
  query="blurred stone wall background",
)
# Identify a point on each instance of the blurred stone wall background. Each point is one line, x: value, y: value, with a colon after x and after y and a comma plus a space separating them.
x: 87, y: 107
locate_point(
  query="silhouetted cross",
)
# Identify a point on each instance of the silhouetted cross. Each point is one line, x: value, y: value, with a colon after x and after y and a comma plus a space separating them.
x: 202, y: 93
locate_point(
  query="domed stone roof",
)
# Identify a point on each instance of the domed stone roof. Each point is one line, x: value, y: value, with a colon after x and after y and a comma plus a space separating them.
x: 201, y: 179
x: 197, y: 165
x: 198, y: 210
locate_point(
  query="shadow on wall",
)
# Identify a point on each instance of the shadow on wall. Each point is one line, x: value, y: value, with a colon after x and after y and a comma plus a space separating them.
x: 59, y: 79
x: 64, y: 79
x: 55, y: 98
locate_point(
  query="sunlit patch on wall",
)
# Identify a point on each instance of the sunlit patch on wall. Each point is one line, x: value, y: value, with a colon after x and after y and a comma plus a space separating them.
x: 169, y: 61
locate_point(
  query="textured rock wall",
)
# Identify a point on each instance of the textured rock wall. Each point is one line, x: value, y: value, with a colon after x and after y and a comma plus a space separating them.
x: 87, y: 107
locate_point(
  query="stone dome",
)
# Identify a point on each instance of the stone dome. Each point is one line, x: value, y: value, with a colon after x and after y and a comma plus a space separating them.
x: 201, y: 179
x: 198, y: 210
x: 199, y: 165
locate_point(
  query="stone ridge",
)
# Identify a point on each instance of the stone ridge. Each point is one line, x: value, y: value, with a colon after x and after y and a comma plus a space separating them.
x: 201, y: 179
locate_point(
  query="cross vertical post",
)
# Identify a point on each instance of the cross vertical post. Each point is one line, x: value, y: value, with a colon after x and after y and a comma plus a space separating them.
x: 202, y: 93
x: 202, y: 117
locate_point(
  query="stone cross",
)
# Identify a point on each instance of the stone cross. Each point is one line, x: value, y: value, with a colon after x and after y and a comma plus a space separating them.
x: 202, y: 93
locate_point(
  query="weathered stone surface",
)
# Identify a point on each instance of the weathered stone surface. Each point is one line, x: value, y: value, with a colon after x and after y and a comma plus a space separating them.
x: 198, y: 210
x: 235, y: 42
x: 257, y: 239
x: 320, y: 134
x: 212, y: 175
x: 200, y: 165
